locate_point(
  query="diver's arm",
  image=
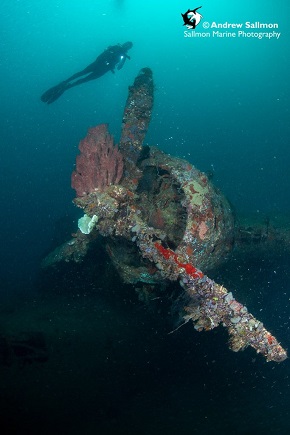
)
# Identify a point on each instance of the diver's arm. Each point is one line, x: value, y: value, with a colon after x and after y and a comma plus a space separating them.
x: 122, y: 61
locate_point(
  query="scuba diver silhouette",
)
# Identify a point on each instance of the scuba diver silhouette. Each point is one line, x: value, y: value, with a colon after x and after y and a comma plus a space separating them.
x: 114, y: 56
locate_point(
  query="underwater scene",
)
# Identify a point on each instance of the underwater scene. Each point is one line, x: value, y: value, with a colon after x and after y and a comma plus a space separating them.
x: 145, y: 217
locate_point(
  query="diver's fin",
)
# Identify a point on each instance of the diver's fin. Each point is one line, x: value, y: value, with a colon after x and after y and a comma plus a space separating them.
x: 53, y: 93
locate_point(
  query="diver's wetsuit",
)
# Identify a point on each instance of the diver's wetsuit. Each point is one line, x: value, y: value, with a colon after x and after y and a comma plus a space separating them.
x: 113, y: 57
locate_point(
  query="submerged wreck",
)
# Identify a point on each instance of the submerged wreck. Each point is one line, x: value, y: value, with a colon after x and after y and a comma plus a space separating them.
x: 161, y: 221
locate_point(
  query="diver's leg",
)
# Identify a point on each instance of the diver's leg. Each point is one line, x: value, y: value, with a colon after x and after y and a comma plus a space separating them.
x: 53, y: 94
x: 56, y: 91
x: 89, y: 69
x: 91, y: 76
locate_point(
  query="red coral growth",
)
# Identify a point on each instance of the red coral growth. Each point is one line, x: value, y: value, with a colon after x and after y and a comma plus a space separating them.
x: 168, y: 253
x: 100, y: 163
